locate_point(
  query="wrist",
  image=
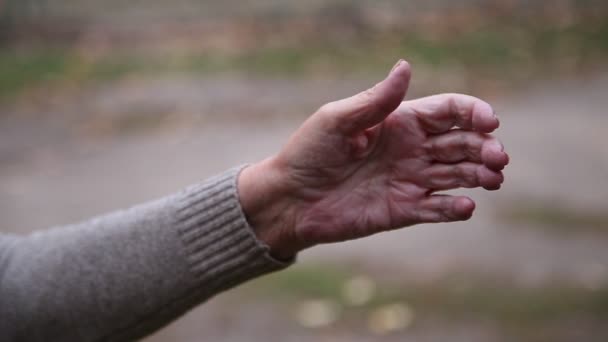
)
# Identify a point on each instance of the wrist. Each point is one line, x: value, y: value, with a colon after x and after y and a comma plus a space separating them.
x: 265, y: 198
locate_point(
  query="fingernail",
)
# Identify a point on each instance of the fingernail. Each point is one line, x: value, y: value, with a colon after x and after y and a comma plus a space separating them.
x: 399, y: 62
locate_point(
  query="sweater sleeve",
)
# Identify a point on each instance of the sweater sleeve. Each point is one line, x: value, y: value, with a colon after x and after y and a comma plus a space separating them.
x: 126, y: 274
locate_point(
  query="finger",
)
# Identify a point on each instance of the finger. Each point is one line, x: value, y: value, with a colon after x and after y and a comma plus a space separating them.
x: 370, y: 107
x: 458, y: 145
x: 461, y: 175
x: 439, y: 113
x: 445, y: 208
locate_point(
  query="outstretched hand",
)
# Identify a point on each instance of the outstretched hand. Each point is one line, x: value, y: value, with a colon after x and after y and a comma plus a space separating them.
x: 371, y: 163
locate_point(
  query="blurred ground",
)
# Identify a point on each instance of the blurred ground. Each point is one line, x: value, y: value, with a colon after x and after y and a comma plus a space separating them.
x: 89, y: 124
x: 146, y: 139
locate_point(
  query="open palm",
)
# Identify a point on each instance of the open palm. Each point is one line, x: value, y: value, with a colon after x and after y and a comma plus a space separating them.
x: 372, y: 163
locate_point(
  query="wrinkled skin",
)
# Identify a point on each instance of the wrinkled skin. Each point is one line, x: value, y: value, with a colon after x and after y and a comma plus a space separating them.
x: 372, y: 163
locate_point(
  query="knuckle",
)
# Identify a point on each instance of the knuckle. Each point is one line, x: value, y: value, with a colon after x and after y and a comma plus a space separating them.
x: 462, y: 114
x: 431, y: 147
x: 327, y: 109
x: 459, y: 171
x: 464, y: 143
x: 444, y: 215
x: 472, y: 146
x: 445, y: 204
x: 368, y: 98
x: 469, y: 175
x: 368, y: 94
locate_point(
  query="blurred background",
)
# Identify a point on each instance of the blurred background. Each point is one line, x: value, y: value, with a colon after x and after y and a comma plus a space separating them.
x: 105, y: 104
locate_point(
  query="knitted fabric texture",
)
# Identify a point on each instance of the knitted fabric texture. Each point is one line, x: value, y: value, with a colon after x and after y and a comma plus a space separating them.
x: 121, y: 276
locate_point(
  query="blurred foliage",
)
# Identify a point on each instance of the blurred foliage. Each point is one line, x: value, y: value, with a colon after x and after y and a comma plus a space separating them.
x: 506, y: 55
x: 19, y: 71
x: 505, y: 41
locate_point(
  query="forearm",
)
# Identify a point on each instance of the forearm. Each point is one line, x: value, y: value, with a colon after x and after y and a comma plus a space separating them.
x: 126, y: 274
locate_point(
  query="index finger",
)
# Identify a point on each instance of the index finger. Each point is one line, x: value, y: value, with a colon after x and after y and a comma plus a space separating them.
x: 440, y: 113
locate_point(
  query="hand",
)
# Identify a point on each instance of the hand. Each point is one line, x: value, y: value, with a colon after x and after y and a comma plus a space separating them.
x: 372, y: 163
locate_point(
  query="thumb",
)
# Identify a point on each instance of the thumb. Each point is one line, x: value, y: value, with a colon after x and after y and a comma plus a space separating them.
x: 371, y: 106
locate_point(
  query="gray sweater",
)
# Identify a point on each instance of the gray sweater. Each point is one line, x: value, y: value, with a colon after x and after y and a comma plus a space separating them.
x: 126, y: 274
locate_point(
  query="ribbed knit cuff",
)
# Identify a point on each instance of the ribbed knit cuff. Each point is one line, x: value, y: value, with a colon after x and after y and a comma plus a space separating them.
x: 221, y: 247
